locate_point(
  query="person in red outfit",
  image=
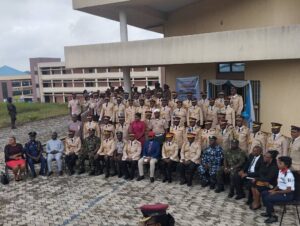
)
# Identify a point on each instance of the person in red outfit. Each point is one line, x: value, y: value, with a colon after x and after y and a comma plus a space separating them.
x: 138, y: 127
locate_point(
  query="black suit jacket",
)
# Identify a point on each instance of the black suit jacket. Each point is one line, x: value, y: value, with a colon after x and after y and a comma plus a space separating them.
x: 257, y: 166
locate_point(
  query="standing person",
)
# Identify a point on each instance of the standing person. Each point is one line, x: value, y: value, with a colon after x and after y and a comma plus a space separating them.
x: 106, y: 126
x: 170, y: 152
x: 206, y: 133
x: 120, y: 145
x: 236, y: 101
x: 283, y: 192
x: 75, y: 125
x: 74, y: 105
x: 73, y: 147
x: 167, y: 92
x: 180, y: 112
x: 123, y: 127
x: 54, y: 148
x: 159, y: 127
x: 276, y: 141
x: 173, y: 101
x: 119, y: 109
x: 220, y: 100
x: 107, y: 109
x: 178, y: 132
x: 242, y: 133
x: 203, y: 103
x: 90, y: 124
x: 225, y: 135
x: 150, y: 155
x: 193, y: 128
x: 138, y: 127
x: 90, y: 146
x: 130, y: 112
x: 131, y: 155
x: 142, y: 109
x: 229, y: 112
x: 196, y: 112
x: 188, y: 102
x: 257, y: 138
x: 189, y: 159
x: 12, y: 112
x: 210, y: 163
x: 294, y: 152
x: 212, y: 113
x: 166, y: 112
x: 34, y: 154
x: 14, y: 159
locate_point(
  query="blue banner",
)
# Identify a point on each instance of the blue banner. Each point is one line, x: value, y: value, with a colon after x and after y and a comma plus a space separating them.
x: 188, y: 84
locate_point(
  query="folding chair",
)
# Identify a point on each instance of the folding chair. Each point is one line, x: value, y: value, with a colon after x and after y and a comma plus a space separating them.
x: 295, y: 203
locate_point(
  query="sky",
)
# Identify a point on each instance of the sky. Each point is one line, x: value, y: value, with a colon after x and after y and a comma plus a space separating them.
x: 41, y: 28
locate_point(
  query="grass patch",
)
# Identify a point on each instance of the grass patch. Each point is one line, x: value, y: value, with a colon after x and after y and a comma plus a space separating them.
x: 28, y: 112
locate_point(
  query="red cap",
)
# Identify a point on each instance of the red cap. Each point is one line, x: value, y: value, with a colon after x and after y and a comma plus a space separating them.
x: 151, y: 134
x: 158, y: 208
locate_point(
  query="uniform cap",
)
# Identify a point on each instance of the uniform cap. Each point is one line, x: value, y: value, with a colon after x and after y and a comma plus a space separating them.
x: 207, y: 122
x: 32, y: 133
x: 295, y: 128
x: 239, y: 118
x: 193, y: 119
x: 176, y: 118
x: 256, y: 124
x: 106, y: 117
x: 92, y: 129
x: 223, y: 121
x: 235, y: 141
x: 148, y: 112
x: 131, y: 134
x: 71, y: 131
x: 276, y: 125
x: 107, y: 132
x: 156, y: 110
x: 221, y: 93
x: 191, y: 135
x: 169, y: 135
x: 154, y: 210
x: 179, y: 101
x: 212, y: 137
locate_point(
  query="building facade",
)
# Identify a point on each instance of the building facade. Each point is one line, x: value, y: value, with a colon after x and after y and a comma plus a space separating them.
x: 256, y: 40
x: 57, y: 82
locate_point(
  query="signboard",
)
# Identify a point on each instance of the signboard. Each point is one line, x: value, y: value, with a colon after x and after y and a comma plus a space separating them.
x: 188, y: 84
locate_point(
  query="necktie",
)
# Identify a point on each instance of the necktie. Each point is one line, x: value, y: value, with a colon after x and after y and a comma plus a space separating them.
x: 274, y: 136
x: 293, y: 141
x: 253, y: 160
x: 240, y: 129
x: 106, y: 104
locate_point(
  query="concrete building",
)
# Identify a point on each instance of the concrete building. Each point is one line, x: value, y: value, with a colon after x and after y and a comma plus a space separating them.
x: 16, y: 84
x: 256, y: 40
x: 57, y: 82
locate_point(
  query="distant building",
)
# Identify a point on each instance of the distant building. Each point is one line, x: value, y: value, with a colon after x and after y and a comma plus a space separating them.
x: 16, y: 84
x: 57, y: 83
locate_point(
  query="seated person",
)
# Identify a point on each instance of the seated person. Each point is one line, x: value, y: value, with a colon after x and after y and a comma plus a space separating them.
x: 54, y: 148
x: 131, y: 155
x: 105, y: 153
x: 73, y: 146
x: 14, y: 158
x: 266, y: 179
x: 117, y: 157
x: 234, y: 159
x: 211, y: 161
x: 189, y: 159
x: 283, y: 192
x: 250, y: 170
x: 169, y: 157
x: 150, y: 155
x: 33, y: 150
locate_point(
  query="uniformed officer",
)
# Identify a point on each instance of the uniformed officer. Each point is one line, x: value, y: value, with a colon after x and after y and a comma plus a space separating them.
x: 257, y: 138
x: 166, y: 112
x: 105, y: 154
x: 158, y: 99
x: 242, y: 133
x: 219, y: 103
x: 236, y: 101
x: 193, y: 128
x: 120, y: 145
x: 158, y: 126
x: 152, y: 107
x: 12, y: 111
x: 234, y: 158
x: 119, y: 109
x: 142, y: 109
x: 180, y: 112
x: 189, y: 159
x: 72, y: 150
x: 294, y: 149
x: 131, y: 155
x: 90, y: 124
x: 196, y: 112
x: 178, y: 132
x: 211, y: 161
x: 107, y: 109
x: 173, y: 101
x: 126, y: 99
x: 106, y: 126
x: 276, y: 141
x: 229, y: 112
x: 90, y: 147
x: 170, y: 152
x: 123, y: 127
x: 203, y: 103
x: 147, y: 123
x: 211, y: 113
x: 130, y: 112
x: 188, y: 102
x: 225, y: 135
x: 206, y: 133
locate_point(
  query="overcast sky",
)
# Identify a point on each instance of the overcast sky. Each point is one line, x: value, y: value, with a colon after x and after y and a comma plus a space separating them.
x: 41, y: 28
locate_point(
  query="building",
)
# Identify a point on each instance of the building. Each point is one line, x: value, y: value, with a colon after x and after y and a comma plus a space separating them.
x: 257, y: 41
x: 16, y: 84
x: 57, y: 82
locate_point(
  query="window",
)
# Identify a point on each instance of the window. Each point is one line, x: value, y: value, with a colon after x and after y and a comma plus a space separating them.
x: 89, y: 83
x: 26, y: 92
x: 17, y: 93
x: 231, y: 67
x: 26, y: 83
x: 16, y: 84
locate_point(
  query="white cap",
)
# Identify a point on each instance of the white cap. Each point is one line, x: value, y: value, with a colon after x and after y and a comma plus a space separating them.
x: 156, y: 110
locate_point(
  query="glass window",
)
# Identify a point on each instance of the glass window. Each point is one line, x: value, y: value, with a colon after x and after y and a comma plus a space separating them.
x: 223, y: 68
x: 17, y: 93
x: 16, y: 84
x: 26, y: 83
x: 238, y: 67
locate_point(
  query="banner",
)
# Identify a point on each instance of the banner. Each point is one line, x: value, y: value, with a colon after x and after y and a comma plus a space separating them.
x: 188, y: 84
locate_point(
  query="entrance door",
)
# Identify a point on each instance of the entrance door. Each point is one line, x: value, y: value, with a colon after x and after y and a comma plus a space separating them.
x: 4, y: 90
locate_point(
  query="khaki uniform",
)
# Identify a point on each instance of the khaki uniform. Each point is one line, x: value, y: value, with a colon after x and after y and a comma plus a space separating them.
x: 170, y: 150
x: 258, y: 139
x: 166, y: 113
x: 158, y: 126
x: 107, y: 110
x: 180, y: 112
x: 195, y: 112
x: 205, y: 134
x: 72, y: 145
x: 96, y: 106
x: 230, y: 114
x: 142, y: 110
x: 136, y: 102
x: 132, y: 150
x: 173, y: 104
x: 91, y: 125
x: 203, y: 104
x: 294, y: 152
x: 187, y: 104
x: 219, y: 103
x: 212, y: 114
x: 108, y: 127
x: 119, y: 109
x: 281, y: 144
x: 237, y: 103
x: 124, y: 129
x: 242, y: 134
x: 191, y: 152
x: 126, y: 103
x: 158, y: 102
x: 147, y: 102
x: 224, y: 137
x: 196, y: 130
x: 178, y: 134
x: 129, y: 114
x: 108, y: 147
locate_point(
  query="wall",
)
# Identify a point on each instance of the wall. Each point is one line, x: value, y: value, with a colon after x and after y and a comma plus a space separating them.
x: 280, y: 85
x: 215, y: 15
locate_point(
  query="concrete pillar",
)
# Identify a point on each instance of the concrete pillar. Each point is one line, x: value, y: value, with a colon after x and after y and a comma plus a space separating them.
x: 124, y: 38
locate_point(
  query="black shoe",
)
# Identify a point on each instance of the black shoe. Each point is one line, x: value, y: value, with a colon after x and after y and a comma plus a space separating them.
x: 131, y: 178
x: 81, y: 172
x: 60, y: 173
x: 34, y: 175
x: 238, y: 197
x: 41, y: 173
x: 189, y: 184
x: 151, y: 179
x: 92, y: 173
x: 170, y: 181
x: 164, y: 180
x: 50, y: 173
x: 231, y: 194
x: 264, y: 215
x: 182, y: 182
x: 271, y: 220
x: 100, y: 172
x: 249, y: 202
x: 126, y: 177
x: 114, y: 174
x: 107, y: 175
x: 140, y: 178
x: 120, y: 175
x: 212, y: 186
x: 204, y: 184
x: 219, y: 189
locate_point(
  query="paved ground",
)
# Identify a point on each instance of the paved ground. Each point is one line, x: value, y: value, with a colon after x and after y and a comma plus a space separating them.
x: 84, y: 200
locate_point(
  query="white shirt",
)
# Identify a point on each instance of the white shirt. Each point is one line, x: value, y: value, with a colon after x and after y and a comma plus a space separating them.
x: 254, y: 161
x: 286, y: 180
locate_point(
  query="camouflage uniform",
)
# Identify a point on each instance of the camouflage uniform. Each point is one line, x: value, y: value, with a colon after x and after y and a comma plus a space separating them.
x: 90, y: 147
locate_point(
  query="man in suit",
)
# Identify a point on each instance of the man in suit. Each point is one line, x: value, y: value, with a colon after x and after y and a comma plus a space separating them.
x: 250, y: 170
